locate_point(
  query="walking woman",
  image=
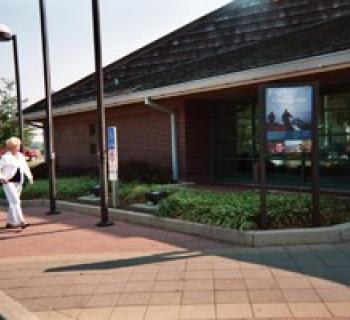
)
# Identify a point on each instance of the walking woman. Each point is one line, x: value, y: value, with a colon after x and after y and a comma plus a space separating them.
x: 13, y: 170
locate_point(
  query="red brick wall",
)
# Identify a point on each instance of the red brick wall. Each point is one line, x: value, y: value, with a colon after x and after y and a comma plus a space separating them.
x: 144, y: 135
x: 72, y: 141
x: 198, y: 140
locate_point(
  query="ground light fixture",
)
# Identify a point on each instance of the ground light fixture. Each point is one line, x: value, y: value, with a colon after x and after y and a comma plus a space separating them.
x: 6, y: 35
x: 50, y: 154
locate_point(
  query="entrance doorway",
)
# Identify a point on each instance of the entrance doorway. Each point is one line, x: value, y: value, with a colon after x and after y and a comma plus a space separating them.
x: 234, y: 142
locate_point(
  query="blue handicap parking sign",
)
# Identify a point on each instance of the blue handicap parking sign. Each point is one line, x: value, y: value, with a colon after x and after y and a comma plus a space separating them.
x: 112, y: 144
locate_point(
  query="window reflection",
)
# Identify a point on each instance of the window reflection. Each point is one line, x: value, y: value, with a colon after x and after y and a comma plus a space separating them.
x: 236, y: 137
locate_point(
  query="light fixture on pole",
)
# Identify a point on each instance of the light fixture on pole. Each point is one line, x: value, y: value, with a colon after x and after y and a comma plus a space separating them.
x: 50, y: 154
x: 6, y: 35
x: 101, y: 117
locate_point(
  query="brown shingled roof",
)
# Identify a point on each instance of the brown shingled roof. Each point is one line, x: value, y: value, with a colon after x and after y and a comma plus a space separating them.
x: 219, y: 43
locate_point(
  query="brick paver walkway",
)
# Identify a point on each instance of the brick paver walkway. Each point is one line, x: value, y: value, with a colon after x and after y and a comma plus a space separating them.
x: 134, y: 272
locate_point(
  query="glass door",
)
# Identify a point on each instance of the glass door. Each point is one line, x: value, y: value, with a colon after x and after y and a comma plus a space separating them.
x: 235, y: 142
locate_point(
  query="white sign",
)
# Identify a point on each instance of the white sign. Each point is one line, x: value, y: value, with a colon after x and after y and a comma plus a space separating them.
x: 112, y: 154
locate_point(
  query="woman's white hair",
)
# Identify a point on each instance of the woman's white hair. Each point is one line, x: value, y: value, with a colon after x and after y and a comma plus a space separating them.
x: 13, y: 142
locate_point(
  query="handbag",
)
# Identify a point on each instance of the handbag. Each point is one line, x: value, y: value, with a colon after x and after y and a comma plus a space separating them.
x: 25, y: 182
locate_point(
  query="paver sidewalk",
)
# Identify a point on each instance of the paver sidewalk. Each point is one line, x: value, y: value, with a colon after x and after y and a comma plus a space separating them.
x: 133, y: 272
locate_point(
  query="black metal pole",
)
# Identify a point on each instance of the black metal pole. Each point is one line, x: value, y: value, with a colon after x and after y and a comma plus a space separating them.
x: 50, y: 154
x: 262, y: 160
x: 316, y: 217
x: 101, y: 117
x: 18, y: 90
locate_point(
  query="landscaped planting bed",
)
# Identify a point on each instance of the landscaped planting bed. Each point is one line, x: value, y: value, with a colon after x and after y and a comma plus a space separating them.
x: 236, y: 210
x: 240, y: 210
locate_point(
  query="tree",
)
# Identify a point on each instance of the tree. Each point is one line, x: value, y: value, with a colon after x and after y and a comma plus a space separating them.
x: 8, y: 114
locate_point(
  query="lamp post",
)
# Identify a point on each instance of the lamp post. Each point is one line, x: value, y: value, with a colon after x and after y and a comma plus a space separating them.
x: 101, y: 117
x: 50, y: 154
x: 6, y: 35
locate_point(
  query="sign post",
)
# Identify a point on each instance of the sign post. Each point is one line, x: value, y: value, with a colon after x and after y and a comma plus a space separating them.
x: 263, y: 187
x: 289, y: 125
x: 316, y: 217
x: 113, y: 163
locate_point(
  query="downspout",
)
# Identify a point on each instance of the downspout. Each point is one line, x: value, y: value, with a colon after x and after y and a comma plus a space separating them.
x: 173, y: 124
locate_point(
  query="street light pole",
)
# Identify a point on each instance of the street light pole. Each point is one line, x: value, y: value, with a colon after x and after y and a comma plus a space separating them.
x: 18, y: 90
x: 50, y: 154
x: 6, y: 35
x: 101, y: 117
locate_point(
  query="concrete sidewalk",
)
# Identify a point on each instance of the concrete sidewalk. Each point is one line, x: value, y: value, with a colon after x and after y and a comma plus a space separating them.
x: 64, y: 268
x: 72, y: 233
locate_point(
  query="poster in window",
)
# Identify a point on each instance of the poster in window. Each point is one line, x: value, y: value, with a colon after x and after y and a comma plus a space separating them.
x: 289, y: 119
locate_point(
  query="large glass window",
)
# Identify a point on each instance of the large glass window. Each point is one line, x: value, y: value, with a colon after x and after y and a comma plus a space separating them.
x: 334, y: 135
x: 236, y: 147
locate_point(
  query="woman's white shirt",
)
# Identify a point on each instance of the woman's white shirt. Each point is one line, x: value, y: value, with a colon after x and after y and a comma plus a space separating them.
x: 9, y: 164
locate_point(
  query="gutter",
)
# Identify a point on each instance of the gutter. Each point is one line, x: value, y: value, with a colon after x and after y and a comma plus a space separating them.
x: 313, y: 65
x: 173, y: 125
x: 36, y: 124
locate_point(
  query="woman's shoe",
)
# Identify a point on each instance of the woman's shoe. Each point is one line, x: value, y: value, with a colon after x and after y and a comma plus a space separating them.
x: 9, y: 226
x: 24, y: 225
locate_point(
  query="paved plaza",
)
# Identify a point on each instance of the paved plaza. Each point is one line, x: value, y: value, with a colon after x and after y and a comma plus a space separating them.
x: 63, y: 267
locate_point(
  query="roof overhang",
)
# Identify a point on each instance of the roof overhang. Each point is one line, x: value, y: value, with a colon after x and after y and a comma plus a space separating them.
x: 317, y: 64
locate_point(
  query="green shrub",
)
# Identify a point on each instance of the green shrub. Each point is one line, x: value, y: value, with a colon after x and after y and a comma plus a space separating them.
x: 67, y: 188
x: 235, y: 210
x: 131, y: 192
x: 240, y: 210
x: 144, y: 172
x: 219, y: 209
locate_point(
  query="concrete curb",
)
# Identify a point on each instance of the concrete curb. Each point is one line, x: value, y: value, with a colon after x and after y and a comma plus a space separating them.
x: 12, y: 310
x: 306, y: 236
x: 186, y: 227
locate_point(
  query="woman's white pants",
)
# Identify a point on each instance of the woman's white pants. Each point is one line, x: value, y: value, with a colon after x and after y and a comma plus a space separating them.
x: 13, y: 193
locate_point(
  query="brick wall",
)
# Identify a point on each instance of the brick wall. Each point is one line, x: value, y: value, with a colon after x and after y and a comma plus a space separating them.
x: 198, y: 140
x: 72, y: 141
x: 144, y: 135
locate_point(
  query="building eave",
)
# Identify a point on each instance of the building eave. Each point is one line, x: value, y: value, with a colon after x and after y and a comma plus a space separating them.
x: 300, y: 67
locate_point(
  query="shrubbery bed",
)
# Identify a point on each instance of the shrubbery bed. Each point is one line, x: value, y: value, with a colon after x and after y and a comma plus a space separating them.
x: 67, y: 188
x: 235, y: 210
x: 240, y: 210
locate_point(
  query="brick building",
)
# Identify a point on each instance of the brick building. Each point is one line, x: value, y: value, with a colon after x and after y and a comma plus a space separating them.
x: 207, y: 74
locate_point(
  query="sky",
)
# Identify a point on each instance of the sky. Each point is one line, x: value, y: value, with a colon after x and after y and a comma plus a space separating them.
x: 126, y: 25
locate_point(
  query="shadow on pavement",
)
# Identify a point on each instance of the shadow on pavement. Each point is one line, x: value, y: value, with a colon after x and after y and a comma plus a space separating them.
x: 319, y: 262
x: 329, y: 262
x: 130, y: 262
